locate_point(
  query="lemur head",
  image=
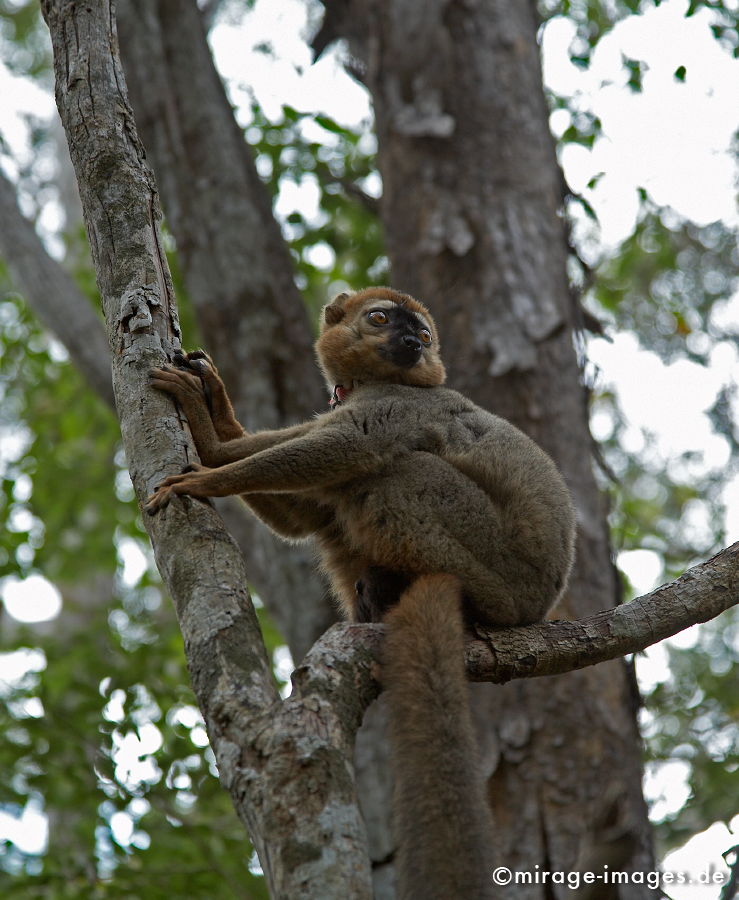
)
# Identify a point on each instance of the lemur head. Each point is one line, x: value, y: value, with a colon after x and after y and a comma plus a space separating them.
x: 378, y: 334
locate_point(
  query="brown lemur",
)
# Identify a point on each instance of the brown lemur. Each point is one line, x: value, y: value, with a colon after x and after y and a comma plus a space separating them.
x: 429, y: 513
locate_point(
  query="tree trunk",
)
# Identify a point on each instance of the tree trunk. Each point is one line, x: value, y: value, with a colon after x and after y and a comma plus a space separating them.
x: 286, y: 765
x: 236, y: 268
x: 471, y: 207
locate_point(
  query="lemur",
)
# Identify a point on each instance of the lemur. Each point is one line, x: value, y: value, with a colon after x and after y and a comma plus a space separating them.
x: 429, y: 513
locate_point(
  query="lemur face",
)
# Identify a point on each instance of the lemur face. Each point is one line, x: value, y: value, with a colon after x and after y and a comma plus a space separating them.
x: 379, y: 335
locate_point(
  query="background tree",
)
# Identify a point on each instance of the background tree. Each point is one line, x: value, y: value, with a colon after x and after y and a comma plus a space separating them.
x: 481, y: 221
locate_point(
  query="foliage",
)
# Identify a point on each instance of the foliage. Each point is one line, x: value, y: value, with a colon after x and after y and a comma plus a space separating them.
x: 65, y: 424
x: 113, y: 675
x: 668, y: 284
x: 23, y: 38
x: 595, y: 18
x: 304, y: 148
x: 107, y: 740
x: 694, y: 719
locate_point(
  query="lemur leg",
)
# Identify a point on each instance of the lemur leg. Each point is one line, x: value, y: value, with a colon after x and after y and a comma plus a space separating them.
x: 456, y: 529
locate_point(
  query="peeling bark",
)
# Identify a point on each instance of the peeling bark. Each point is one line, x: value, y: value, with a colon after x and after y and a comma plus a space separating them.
x: 471, y: 209
x: 287, y: 764
x: 501, y: 655
x: 236, y: 265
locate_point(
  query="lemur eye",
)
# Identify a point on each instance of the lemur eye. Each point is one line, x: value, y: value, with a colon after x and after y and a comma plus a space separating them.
x: 377, y: 317
x: 425, y: 336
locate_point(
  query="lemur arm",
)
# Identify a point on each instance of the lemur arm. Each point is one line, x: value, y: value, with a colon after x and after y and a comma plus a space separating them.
x: 219, y: 438
x: 323, y: 457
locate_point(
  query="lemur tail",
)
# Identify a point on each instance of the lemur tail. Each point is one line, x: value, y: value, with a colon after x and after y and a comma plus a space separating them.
x: 442, y: 819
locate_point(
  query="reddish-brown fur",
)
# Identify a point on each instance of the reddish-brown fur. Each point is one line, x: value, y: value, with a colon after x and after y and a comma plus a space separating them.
x: 420, y: 502
x: 346, y: 354
x: 439, y: 803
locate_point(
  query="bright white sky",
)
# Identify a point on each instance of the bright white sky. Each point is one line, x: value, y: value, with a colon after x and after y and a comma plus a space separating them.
x: 673, y: 139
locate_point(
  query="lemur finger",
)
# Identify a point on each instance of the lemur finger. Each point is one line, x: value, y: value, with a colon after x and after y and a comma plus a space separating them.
x: 193, y: 467
x: 172, y: 481
x: 201, y: 364
x: 157, y: 500
x: 196, y: 361
x: 174, y: 374
x: 199, y: 361
x: 173, y: 381
x: 200, y: 356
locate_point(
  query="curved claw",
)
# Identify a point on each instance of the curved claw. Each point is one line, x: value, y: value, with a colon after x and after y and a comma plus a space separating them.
x: 200, y: 355
x: 197, y: 361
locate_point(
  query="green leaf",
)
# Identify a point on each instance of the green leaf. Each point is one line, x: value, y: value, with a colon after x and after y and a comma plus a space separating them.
x: 636, y: 69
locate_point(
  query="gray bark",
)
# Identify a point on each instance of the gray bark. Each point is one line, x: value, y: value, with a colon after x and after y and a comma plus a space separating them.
x: 471, y: 208
x: 236, y: 268
x: 256, y: 738
x: 236, y: 265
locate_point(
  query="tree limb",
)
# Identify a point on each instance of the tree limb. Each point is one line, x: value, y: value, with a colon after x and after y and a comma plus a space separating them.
x: 236, y: 265
x: 499, y: 655
x: 551, y: 648
x: 286, y: 764
x: 236, y: 268
x: 52, y: 294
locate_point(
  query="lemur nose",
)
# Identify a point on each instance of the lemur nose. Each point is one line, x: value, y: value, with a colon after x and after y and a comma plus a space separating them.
x: 411, y: 342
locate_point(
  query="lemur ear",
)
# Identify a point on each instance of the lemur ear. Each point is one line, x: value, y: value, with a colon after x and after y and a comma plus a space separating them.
x: 335, y: 311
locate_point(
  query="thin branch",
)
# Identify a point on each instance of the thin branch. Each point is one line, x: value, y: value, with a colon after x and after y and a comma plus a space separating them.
x: 349, y: 186
x: 552, y: 648
x: 345, y: 658
x: 287, y: 765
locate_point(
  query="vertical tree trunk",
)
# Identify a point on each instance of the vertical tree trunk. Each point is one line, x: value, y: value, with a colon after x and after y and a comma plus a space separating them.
x: 471, y: 209
x: 237, y: 270
x: 286, y: 765
x: 489, y: 255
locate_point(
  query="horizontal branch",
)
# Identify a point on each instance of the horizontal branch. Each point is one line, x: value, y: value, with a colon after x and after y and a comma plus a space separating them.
x: 552, y: 648
x: 499, y: 655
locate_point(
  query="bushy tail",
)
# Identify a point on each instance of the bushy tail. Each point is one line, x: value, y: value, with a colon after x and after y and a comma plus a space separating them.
x: 442, y: 820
